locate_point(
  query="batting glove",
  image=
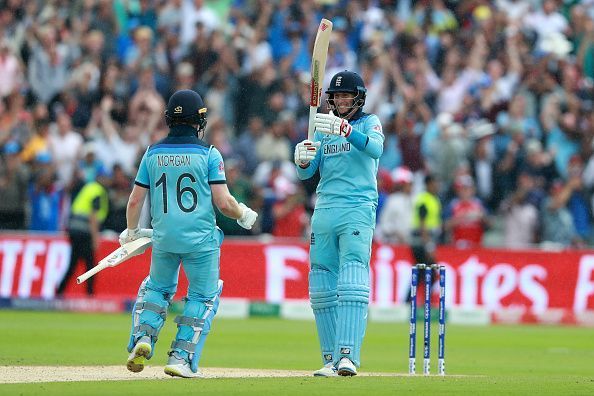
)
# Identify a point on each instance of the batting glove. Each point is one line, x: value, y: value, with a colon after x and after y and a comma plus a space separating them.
x: 248, y: 217
x: 305, y: 151
x: 332, y: 125
x: 129, y: 235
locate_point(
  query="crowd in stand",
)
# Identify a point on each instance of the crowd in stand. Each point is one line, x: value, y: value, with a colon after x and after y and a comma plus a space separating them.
x: 494, y: 99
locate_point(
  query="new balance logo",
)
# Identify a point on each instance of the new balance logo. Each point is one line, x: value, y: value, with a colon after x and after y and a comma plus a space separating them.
x: 312, y: 239
x: 356, y: 232
x: 345, y: 351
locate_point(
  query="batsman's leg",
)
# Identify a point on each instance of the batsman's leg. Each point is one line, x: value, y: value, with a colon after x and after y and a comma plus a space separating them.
x: 355, y: 236
x: 201, y: 306
x: 323, y: 293
x: 324, y: 300
x: 150, y: 310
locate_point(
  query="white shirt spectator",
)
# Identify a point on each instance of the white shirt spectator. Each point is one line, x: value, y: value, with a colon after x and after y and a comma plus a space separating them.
x: 10, y: 71
x: 545, y: 24
x: 195, y: 11
x: 64, y: 145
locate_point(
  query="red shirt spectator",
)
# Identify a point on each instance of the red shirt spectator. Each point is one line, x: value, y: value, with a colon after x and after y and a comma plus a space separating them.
x: 466, y: 215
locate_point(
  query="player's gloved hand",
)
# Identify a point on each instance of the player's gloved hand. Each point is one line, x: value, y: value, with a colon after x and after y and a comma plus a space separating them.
x: 248, y: 217
x: 332, y: 125
x: 305, y: 151
x: 129, y: 235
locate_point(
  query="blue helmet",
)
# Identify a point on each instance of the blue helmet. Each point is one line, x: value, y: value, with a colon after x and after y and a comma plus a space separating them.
x: 186, y: 107
x: 347, y: 81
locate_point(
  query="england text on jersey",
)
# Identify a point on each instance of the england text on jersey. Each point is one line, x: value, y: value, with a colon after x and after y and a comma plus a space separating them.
x: 336, y: 148
x: 173, y: 160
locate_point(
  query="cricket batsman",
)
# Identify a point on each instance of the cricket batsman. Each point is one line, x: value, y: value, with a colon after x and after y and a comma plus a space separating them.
x: 184, y: 177
x: 346, y: 149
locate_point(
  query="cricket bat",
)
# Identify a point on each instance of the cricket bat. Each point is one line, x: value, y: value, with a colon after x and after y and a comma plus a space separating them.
x: 318, y: 66
x: 117, y: 257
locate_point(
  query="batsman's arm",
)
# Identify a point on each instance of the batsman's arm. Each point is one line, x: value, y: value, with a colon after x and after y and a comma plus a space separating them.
x: 225, y: 202
x: 304, y: 173
x: 371, y: 143
x: 134, y: 207
x: 229, y: 206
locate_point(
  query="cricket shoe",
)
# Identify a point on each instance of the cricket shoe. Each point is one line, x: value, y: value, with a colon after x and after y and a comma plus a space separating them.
x: 327, y: 371
x: 179, y: 367
x: 141, y: 351
x: 346, y: 367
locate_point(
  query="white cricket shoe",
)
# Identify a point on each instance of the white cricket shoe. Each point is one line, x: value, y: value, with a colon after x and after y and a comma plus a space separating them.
x: 327, y: 371
x: 141, y: 351
x: 346, y: 367
x: 179, y: 367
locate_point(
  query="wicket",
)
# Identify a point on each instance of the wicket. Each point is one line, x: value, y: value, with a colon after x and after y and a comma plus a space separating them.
x: 428, y: 273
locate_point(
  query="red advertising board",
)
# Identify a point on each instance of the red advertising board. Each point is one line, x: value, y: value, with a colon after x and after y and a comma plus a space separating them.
x: 32, y: 265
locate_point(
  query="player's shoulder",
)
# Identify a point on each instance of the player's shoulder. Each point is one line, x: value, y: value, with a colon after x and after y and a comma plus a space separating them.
x: 371, y: 122
x: 179, y: 144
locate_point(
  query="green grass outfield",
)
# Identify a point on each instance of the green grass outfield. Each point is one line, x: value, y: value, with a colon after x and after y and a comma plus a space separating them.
x: 480, y: 360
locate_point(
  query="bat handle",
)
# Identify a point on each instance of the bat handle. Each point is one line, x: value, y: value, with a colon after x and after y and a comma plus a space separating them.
x: 311, y: 128
x: 89, y: 273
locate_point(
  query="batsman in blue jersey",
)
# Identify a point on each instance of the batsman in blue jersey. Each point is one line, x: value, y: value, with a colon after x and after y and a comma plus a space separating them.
x: 346, y: 149
x: 184, y: 176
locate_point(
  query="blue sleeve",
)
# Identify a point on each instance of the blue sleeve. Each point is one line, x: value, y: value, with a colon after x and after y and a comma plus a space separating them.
x: 306, y: 173
x: 216, y: 167
x: 142, y: 177
x: 371, y: 140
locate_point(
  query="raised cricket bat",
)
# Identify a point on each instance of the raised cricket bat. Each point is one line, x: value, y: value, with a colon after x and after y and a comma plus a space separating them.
x: 117, y: 257
x: 318, y: 66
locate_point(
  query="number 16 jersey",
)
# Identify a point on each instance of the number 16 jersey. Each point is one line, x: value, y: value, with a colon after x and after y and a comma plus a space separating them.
x: 178, y: 172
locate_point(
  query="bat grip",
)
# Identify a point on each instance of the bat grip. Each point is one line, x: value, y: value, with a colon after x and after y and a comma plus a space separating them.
x: 89, y: 273
x: 311, y: 128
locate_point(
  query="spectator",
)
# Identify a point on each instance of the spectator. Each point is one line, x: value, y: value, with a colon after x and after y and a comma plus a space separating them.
x: 558, y: 227
x: 45, y: 195
x: 64, y: 146
x: 521, y: 214
x: 395, y: 219
x: 465, y: 217
x: 13, y: 188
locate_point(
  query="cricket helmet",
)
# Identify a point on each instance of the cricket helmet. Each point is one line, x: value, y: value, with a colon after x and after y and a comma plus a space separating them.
x: 186, y: 107
x: 347, y: 81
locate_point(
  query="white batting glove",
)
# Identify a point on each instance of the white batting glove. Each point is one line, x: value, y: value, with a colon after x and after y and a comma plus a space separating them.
x: 305, y: 151
x: 248, y: 217
x: 332, y: 125
x: 129, y: 235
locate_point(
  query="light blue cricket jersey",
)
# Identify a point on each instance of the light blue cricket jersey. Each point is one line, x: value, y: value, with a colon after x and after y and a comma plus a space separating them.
x: 178, y: 172
x: 348, y: 166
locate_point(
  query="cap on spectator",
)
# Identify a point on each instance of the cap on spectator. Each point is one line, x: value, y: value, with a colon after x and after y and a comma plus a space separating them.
x: 12, y: 147
x: 402, y: 175
x: 482, y: 13
x: 464, y: 181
